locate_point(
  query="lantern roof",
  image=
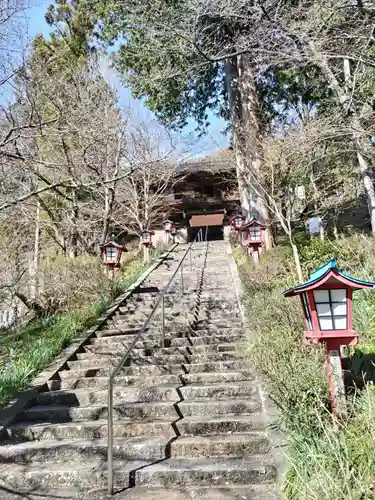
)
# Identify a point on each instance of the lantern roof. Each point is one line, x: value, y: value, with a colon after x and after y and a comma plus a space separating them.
x: 253, y: 222
x: 168, y: 220
x: 329, y: 274
x: 112, y: 244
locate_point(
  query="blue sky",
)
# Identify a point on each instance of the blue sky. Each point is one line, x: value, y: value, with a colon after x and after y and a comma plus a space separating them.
x: 212, y: 141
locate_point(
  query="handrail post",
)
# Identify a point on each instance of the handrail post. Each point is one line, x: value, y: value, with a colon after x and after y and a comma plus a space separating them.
x: 182, y: 279
x: 162, y: 321
x: 110, y: 437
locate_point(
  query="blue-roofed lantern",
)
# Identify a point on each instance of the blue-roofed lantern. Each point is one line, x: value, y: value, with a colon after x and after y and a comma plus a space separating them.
x: 327, y: 305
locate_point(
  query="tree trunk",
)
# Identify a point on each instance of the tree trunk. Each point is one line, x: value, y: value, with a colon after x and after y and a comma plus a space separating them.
x: 244, y: 113
x: 73, y: 240
x: 297, y: 259
x: 35, y: 262
x: 344, y: 100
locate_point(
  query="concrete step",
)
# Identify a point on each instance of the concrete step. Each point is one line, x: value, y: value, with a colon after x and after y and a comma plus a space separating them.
x: 84, y: 397
x: 210, y: 408
x: 68, y: 450
x: 86, y: 475
x: 102, y: 382
x: 231, y: 445
x: 221, y: 424
x: 60, y: 413
x: 124, y: 428
x: 205, y: 472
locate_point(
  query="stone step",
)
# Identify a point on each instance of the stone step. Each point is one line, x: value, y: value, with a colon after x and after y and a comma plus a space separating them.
x: 105, y: 370
x: 230, y: 492
x: 220, y: 391
x: 150, y: 381
x: 92, y: 360
x: 86, y: 475
x: 139, y: 448
x: 210, y: 408
x: 60, y: 413
x: 84, y: 397
x: 215, y: 378
x: 124, y: 428
x: 119, y: 349
x: 205, y: 472
x: 102, y: 382
x: 231, y: 445
x: 155, y: 335
x: 221, y: 424
x: 121, y: 344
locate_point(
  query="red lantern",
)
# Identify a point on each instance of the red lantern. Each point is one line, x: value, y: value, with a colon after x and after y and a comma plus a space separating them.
x: 146, y: 237
x: 253, y: 237
x: 111, y: 256
x: 236, y: 222
x: 327, y: 305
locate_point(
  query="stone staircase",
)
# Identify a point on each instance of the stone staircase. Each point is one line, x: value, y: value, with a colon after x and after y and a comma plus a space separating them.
x: 189, y: 421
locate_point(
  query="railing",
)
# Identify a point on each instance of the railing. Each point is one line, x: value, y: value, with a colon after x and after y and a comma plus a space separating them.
x: 160, y: 301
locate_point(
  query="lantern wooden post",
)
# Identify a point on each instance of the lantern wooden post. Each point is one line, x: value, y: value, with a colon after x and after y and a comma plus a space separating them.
x: 327, y: 304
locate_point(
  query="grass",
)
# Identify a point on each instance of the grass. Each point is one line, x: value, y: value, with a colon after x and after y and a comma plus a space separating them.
x: 27, y: 351
x: 328, y: 460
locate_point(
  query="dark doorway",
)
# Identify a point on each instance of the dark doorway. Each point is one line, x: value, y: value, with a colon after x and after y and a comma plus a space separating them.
x: 214, y: 233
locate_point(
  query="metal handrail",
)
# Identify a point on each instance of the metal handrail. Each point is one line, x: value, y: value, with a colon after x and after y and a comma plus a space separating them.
x: 160, y: 300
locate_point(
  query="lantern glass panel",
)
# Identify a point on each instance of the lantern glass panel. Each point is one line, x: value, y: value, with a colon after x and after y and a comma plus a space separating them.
x: 111, y: 254
x: 332, y: 309
x: 306, y: 310
x: 254, y: 234
x: 167, y: 226
x: 145, y: 236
